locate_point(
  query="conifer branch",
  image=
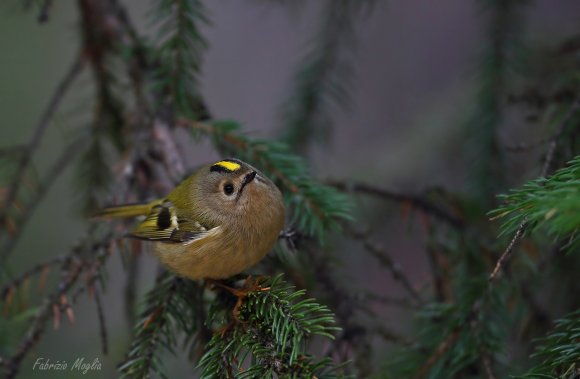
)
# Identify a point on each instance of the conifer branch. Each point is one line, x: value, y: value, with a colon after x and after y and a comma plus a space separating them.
x: 355, y: 336
x: 179, y: 53
x: 322, y: 78
x: 271, y: 337
x: 471, y: 319
x: 153, y: 330
x: 504, y: 27
x: 559, y: 351
x: 73, y: 264
x: 538, y: 186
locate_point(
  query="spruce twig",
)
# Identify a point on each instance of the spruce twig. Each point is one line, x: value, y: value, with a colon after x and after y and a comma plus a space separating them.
x: 470, y: 320
x: 72, y: 266
x: 323, y: 75
x: 546, y: 168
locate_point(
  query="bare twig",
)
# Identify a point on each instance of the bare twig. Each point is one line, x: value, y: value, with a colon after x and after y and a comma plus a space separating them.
x: 441, y: 349
x: 487, y: 366
x: 395, y: 269
x: 391, y: 335
x: 559, y: 131
x: 44, y: 9
x: 385, y: 260
x: 102, y: 325
x: 506, y: 255
x: 71, y: 272
x: 62, y: 88
x: 417, y: 201
x: 59, y: 167
x: 8, y: 287
x: 73, y: 264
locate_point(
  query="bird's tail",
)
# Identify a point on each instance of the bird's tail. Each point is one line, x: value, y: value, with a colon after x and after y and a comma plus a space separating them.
x: 126, y: 210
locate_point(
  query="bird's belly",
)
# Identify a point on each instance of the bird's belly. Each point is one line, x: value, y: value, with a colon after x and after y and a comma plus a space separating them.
x: 208, y: 259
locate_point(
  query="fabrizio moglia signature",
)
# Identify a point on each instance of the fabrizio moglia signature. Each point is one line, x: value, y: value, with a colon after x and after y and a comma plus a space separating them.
x: 81, y: 364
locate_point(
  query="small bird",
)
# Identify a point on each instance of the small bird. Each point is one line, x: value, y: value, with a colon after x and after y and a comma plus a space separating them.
x: 218, y: 222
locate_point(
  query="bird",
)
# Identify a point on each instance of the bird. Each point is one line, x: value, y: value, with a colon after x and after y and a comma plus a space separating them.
x: 218, y: 222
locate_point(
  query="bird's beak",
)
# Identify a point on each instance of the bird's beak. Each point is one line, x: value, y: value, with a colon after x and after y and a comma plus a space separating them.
x: 247, y: 179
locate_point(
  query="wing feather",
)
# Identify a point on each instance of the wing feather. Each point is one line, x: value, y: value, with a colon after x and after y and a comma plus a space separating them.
x: 162, y: 224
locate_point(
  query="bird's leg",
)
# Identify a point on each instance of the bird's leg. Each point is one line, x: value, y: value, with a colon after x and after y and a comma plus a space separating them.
x: 249, y: 286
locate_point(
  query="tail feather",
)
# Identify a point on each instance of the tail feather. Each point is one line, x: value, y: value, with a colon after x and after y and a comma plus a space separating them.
x: 126, y: 210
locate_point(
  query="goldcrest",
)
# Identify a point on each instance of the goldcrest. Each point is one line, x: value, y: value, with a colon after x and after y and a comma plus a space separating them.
x: 218, y: 222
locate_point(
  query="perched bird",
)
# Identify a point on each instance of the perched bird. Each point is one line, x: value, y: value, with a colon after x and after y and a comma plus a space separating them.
x: 218, y: 222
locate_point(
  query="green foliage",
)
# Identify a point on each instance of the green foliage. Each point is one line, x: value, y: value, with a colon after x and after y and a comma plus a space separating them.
x: 552, y: 204
x: 452, y: 331
x: 314, y: 208
x: 270, y: 338
x: 168, y: 312
x: 460, y: 331
x: 504, y: 28
x: 181, y: 46
x: 323, y: 76
x: 559, y: 351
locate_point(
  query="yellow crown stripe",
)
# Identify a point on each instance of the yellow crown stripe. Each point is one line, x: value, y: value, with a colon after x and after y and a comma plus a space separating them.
x: 228, y: 165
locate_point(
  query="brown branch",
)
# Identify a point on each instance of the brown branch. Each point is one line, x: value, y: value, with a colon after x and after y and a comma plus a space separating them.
x: 487, y: 366
x: 71, y: 271
x: 384, y: 259
x: 58, y: 168
x: 506, y: 255
x: 415, y: 200
x: 73, y: 264
x: 441, y: 349
x: 391, y: 336
x: 41, y: 267
x: 61, y: 90
x: 559, y: 132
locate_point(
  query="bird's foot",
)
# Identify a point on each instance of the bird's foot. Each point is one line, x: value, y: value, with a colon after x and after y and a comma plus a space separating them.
x: 250, y: 285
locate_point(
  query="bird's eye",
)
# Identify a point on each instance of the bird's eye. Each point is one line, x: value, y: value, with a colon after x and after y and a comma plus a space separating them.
x: 228, y: 188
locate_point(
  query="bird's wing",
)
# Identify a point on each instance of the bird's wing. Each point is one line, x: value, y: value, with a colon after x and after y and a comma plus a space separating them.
x: 163, y: 224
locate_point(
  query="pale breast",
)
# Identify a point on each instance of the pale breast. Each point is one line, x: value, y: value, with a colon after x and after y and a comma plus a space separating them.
x: 217, y: 256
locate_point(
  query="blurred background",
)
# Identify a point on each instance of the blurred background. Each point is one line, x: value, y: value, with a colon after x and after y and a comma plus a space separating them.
x: 412, y: 76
